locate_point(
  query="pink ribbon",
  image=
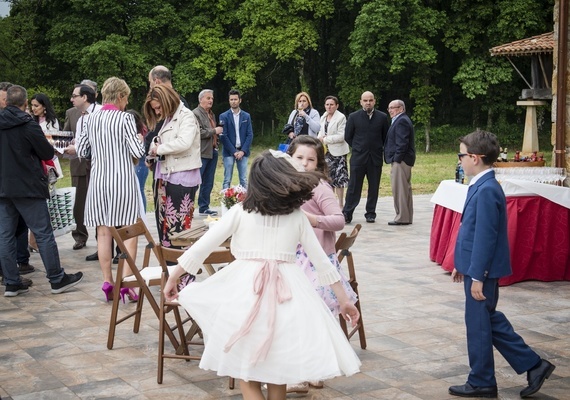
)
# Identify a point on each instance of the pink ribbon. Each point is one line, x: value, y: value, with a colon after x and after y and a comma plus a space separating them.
x: 268, y: 280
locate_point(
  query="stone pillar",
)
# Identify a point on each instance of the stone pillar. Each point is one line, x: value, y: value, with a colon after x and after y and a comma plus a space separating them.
x: 530, y: 141
x: 555, y: 94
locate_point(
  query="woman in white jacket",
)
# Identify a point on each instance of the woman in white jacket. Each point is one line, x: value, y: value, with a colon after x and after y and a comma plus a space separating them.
x: 177, y: 147
x: 333, y: 124
x: 304, y: 118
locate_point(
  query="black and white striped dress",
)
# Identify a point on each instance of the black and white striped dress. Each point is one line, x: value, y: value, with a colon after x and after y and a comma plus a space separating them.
x: 110, y: 140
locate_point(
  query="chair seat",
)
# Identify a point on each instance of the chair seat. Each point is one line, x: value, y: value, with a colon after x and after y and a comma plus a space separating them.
x: 149, y: 274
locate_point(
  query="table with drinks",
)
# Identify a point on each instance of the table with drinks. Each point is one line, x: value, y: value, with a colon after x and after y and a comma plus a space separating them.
x: 538, y: 212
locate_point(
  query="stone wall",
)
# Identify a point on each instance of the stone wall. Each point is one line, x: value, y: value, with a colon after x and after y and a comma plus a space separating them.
x: 555, y: 94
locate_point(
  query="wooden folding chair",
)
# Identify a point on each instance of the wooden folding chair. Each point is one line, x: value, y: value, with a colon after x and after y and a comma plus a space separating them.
x: 144, y: 278
x: 343, y: 245
x: 182, y: 351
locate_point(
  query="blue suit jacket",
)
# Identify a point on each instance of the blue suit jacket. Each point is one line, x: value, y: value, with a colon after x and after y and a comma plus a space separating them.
x: 400, y: 144
x: 228, y: 137
x: 482, y: 247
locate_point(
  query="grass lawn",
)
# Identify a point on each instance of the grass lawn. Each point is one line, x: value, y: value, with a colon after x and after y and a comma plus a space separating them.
x: 430, y: 169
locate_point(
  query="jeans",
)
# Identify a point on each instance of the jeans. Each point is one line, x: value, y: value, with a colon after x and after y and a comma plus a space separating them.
x: 142, y: 173
x: 229, y: 171
x: 35, y: 213
x: 208, y: 173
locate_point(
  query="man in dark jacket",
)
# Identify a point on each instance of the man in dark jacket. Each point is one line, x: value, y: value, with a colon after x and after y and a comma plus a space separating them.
x: 23, y: 191
x: 365, y: 132
x: 22, y: 251
x: 400, y: 152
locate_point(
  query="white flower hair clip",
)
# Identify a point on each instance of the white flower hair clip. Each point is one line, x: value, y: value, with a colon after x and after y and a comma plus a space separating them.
x: 288, y: 158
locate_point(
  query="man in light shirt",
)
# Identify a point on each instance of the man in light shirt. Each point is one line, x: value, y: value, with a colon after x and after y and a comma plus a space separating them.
x: 236, y: 140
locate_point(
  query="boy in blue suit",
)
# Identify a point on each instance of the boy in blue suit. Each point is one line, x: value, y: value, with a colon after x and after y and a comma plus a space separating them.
x: 481, y: 258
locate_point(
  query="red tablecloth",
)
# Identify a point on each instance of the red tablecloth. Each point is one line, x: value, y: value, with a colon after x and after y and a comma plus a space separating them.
x: 539, y: 239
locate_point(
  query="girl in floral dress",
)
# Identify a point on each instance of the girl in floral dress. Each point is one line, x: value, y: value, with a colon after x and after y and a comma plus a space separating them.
x: 325, y: 216
x: 262, y: 320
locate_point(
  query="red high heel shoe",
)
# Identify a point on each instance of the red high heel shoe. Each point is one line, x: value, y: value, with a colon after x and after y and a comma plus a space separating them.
x: 130, y: 293
x: 108, y: 290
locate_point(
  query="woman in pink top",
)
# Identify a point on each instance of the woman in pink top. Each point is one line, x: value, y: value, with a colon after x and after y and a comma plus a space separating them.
x: 325, y: 216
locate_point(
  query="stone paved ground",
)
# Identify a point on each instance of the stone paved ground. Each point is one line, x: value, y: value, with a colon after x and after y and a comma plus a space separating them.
x: 54, y: 346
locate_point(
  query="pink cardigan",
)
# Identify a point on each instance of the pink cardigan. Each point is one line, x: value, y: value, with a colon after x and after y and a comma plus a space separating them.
x: 325, y: 204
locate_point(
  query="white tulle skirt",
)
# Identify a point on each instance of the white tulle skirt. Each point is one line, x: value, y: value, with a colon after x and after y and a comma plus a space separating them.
x: 308, y: 344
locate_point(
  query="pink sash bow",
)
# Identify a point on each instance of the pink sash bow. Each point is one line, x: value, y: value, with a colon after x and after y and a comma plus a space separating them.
x: 268, y: 280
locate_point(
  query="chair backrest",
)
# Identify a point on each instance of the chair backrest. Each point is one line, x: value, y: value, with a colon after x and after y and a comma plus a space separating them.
x: 168, y: 255
x: 345, y: 242
x: 128, y: 232
x: 221, y: 256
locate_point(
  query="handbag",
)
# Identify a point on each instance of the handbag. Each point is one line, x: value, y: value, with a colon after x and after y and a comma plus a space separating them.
x: 60, y: 206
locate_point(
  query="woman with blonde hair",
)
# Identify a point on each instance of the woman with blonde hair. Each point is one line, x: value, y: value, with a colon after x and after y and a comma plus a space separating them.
x: 177, y: 149
x: 111, y: 141
x: 304, y: 119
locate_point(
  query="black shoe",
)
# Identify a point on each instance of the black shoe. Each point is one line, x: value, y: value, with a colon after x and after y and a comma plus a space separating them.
x: 25, y: 281
x: 370, y: 219
x: 347, y: 218
x: 208, y: 212
x: 68, y: 281
x: 92, y: 257
x: 469, y: 391
x: 25, y: 268
x: 14, y: 290
x: 116, y: 259
x: 79, y: 245
x: 536, y: 377
x: 396, y: 223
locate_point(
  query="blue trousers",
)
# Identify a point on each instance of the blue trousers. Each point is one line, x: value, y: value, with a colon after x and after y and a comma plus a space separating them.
x: 208, y: 174
x: 35, y: 214
x: 487, y: 327
x: 142, y: 173
x: 229, y: 163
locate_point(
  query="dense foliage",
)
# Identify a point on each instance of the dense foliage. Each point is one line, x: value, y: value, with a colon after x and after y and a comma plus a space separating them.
x: 433, y: 54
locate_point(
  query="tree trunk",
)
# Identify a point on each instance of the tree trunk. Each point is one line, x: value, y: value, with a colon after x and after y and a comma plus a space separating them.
x: 426, y: 132
x: 490, y: 119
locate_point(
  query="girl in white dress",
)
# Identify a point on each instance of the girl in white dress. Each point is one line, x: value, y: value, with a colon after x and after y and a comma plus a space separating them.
x: 261, y: 317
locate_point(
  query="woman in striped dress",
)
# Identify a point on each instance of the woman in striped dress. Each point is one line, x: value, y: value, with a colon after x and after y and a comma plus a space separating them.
x: 110, y: 139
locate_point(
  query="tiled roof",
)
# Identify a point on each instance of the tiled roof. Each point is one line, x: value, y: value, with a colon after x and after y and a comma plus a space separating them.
x: 533, y: 45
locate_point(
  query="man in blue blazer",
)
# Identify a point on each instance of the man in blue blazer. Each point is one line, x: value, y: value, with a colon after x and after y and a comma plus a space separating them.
x: 400, y: 153
x: 236, y: 140
x: 481, y: 258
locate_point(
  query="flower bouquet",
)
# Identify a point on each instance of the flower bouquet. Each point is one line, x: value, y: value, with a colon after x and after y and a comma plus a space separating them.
x: 233, y: 195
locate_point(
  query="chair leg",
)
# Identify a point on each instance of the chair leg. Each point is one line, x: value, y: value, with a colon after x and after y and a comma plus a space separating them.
x: 343, y: 326
x: 113, y: 319
x: 160, y: 371
x: 232, y: 383
x: 138, y: 314
x: 361, y: 334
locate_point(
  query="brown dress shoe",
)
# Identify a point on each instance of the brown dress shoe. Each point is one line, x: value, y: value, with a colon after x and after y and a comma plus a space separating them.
x: 25, y: 268
x: 78, y: 245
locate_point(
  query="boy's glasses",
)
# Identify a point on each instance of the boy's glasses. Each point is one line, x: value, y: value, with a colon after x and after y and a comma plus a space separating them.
x: 461, y: 155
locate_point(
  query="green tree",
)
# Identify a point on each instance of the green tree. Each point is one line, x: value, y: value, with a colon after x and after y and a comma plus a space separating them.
x: 398, y: 38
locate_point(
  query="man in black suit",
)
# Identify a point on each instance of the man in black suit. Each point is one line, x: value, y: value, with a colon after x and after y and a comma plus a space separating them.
x: 366, y: 132
x: 400, y: 151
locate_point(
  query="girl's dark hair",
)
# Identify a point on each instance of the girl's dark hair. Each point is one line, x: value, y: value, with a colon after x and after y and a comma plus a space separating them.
x: 41, y: 98
x: 141, y: 127
x: 306, y: 140
x: 275, y: 187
